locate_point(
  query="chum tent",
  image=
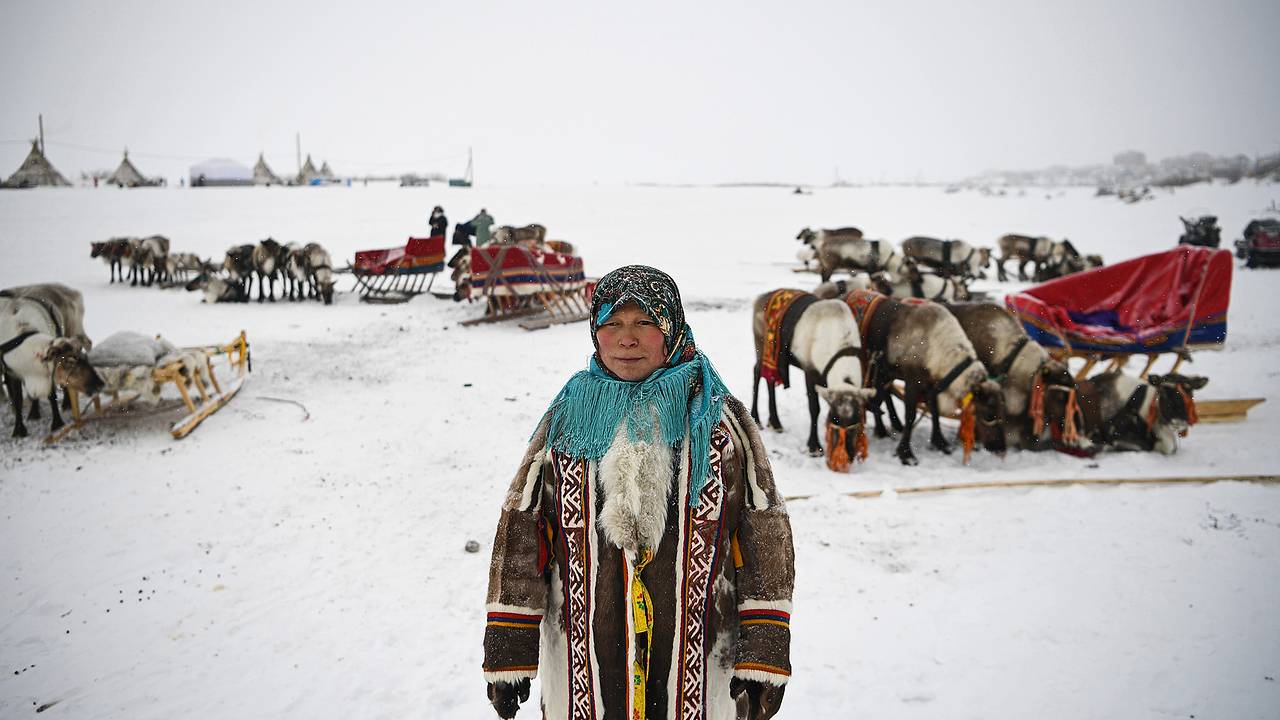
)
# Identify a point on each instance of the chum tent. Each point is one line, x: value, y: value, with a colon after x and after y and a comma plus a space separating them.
x: 127, y: 175
x: 35, y: 171
x: 262, y: 174
x: 308, y: 173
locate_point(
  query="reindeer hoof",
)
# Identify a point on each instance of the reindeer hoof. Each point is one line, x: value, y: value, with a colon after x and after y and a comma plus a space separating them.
x: 943, y: 448
x: 908, y: 458
x: 19, y: 432
x: 776, y: 427
x: 815, y: 452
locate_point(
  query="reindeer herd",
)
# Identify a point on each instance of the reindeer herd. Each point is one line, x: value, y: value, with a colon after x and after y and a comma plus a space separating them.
x: 304, y: 271
x: 896, y: 330
x: 935, y: 269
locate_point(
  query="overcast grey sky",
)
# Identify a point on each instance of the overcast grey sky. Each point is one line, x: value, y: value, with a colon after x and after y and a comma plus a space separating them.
x: 562, y: 92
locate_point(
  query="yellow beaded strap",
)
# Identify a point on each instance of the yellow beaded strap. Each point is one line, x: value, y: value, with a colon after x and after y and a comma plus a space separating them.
x: 642, y: 612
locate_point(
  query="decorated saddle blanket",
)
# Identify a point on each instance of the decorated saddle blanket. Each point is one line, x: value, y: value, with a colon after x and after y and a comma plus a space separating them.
x: 864, y: 304
x: 781, y: 312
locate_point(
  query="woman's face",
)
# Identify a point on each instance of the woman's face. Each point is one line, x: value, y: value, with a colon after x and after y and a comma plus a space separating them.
x: 631, y: 345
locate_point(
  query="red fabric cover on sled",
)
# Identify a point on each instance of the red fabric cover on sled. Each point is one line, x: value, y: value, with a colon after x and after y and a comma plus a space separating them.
x: 519, y: 269
x: 1142, y: 305
x: 418, y: 252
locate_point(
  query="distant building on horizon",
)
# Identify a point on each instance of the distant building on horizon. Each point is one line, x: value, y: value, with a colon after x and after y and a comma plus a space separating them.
x: 35, y: 171
x: 127, y: 175
x: 220, y: 172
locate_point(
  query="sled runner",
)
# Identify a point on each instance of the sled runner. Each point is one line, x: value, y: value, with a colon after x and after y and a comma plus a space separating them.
x: 516, y: 281
x: 190, y: 369
x: 394, y: 275
x: 1168, y: 302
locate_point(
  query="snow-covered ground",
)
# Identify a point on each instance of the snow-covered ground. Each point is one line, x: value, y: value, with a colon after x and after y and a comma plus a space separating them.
x: 278, y: 565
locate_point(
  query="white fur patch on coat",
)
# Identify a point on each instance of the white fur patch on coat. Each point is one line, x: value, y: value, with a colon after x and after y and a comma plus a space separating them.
x: 635, y: 479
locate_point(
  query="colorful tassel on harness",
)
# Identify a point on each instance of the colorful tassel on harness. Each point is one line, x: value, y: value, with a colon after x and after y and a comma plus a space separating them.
x: 1035, y: 409
x: 1189, y: 403
x: 967, y: 426
x: 837, y: 451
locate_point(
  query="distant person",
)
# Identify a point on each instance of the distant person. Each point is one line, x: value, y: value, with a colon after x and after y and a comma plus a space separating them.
x: 462, y: 233
x: 439, y: 223
x: 482, y: 222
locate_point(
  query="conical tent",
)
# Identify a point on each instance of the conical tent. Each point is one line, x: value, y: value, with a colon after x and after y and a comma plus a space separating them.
x: 35, y: 171
x: 262, y: 174
x: 128, y: 176
x: 308, y: 172
x: 325, y: 172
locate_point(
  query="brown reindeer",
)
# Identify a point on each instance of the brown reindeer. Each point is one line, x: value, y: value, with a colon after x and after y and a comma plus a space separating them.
x: 949, y: 258
x: 819, y: 337
x: 319, y: 270
x: 532, y: 234
x: 461, y: 275
x: 1039, y: 392
x: 269, y: 258
x: 113, y: 252
x: 853, y: 254
x: 238, y: 265
x: 1025, y: 249
x: 921, y: 344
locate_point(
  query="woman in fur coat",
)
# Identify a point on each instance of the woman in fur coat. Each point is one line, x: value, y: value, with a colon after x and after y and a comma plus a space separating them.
x: 643, y: 564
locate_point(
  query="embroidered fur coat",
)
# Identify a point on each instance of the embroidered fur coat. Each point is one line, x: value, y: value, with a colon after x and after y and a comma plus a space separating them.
x: 561, y: 583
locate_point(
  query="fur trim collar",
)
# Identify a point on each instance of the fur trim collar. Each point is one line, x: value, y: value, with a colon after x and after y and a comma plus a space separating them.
x: 635, y: 478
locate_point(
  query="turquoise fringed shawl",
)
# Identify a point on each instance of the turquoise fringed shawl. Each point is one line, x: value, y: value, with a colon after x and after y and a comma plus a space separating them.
x: 586, y: 413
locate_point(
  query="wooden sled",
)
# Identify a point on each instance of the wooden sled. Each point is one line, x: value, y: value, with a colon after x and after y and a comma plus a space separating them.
x: 211, y: 399
x: 394, y: 275
x: 1226, y: 411
x: 516, y: 282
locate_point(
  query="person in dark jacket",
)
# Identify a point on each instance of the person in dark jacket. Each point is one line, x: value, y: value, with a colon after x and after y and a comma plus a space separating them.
x: 439, y: 223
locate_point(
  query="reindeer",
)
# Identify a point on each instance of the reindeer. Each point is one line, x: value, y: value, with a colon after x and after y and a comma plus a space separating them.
x: 1025, y: 249
x: 461, y: 275
x: 871, y: 256
x: 1038, y: 391
x: 1129, y: 413
x: 319, y: 271
x: 1065, y: 260
x: 113, y: 252
x: 812, y: 239
x: 820, y: 338
x: 155, y: 251
x: 295, y: 272
x: 916, y: 283
x: 532, y: 234
x: 41, y: 327
x: 268, y: 259
x: 180, y: 266
x: 950, y: 258
x: 238, y: 264
x: 217, y: 289
x: 921, y: 344
x: 839, y: 288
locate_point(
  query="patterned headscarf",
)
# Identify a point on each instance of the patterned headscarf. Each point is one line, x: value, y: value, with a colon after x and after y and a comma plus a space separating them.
x: 686, y: 396
x: 657, y: 295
